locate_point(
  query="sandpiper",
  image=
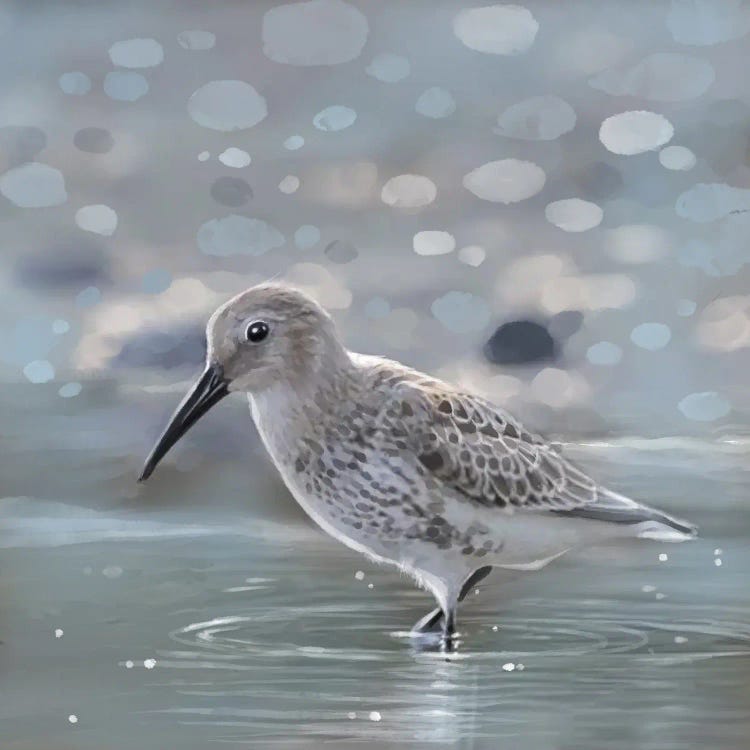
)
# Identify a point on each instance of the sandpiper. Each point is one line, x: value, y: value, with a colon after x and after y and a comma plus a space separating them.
x: 396, y: 464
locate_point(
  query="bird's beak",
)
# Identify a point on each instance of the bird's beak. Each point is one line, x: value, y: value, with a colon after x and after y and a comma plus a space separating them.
x: 211, y: 387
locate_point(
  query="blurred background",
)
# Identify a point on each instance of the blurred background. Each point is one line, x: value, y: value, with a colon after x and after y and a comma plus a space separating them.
x: 546, y: 204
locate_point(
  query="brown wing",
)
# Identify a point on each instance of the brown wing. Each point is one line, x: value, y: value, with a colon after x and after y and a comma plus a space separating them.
x: 483, y: 452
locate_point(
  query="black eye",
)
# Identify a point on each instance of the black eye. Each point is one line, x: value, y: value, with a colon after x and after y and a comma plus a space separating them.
x: 257, y: 331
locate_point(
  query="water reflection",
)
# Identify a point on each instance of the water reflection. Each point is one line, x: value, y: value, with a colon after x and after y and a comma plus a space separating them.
x: 331, y: 666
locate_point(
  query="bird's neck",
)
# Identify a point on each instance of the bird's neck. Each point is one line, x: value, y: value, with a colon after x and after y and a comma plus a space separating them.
x: 295, y: 406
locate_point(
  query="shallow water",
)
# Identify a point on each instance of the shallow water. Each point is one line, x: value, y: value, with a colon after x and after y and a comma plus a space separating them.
x: 192, y: 630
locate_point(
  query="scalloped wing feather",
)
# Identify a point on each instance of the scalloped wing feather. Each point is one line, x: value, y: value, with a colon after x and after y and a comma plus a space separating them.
x: 484, y: 453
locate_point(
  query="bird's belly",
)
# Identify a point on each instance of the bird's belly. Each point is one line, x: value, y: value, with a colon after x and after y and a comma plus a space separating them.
x: 336, y: 522
x: 531, y: 539
x: 382, y: 508
x: 446, y: 535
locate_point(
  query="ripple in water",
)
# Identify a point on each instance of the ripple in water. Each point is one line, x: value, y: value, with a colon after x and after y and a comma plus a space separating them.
x: 304, y: 664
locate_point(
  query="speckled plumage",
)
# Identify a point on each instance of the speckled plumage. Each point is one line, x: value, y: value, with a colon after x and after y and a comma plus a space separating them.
x: 403, y: 467
x: 410, y: 470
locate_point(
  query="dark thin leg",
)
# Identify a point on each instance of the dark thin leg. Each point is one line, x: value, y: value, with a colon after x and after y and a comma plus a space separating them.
x: 449, y: 629
x: 432, y: 621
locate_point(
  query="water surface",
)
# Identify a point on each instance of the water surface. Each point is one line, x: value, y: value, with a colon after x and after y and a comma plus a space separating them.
x: 200, y: 628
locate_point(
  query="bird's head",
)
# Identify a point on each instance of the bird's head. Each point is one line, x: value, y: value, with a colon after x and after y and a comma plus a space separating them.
x: 266, y: 335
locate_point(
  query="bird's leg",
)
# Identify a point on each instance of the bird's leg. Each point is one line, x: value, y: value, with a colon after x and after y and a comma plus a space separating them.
x: 478, y: 575
x: 432, y: 621
x: 449, y: 629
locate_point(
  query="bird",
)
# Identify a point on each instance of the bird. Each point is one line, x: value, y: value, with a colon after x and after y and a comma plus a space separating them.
x: 399, y: 465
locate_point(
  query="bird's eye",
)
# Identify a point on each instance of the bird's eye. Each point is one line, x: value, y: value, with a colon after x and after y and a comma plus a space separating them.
x: 257, y: 331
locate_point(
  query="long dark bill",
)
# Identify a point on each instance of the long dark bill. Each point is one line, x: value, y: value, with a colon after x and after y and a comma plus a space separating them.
x: 209, y: 390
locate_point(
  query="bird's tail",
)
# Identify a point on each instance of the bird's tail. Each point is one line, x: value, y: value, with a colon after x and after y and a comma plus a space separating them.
x: 664, y: 528
x: 647, y: 523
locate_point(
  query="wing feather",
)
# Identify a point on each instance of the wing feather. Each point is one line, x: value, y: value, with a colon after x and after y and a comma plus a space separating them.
x: 483, y: 452
x: 467, y: 443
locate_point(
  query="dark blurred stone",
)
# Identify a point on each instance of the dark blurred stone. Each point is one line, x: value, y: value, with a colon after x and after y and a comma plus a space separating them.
x: 598, y: 181
x: 565, y: 324
x: 70, y: 262
x: 165, y: 350
x: 94, y: 140
x: 520, y: 342
x: 341, y: 251
x: 231, y: 191
x: 19, y: 144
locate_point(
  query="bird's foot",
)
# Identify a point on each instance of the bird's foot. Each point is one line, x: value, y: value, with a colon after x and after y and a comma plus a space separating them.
x: 430, y: 634
x: 434, y: 621
x: 427, y: 633
x: 449, y: 639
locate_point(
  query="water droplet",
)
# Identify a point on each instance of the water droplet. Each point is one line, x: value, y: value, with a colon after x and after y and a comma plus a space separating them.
x: 75, y: 83
x: 196, y: 40
x: 334, y: 118
x: 294, y: 142
x: 306, y: 236
x: 60, y: 326
x: 635, y: 132
x: 472, y: 255
x: 496, y: 29
x: 389, y: 68
x: 289, y: 185
x: 125, y: 86
x: 317, y: 32
x: 98, y: 218
x: 505, y: 181
x: 433, y: 242
x: 234, y: 157
x: 436, y: 103
x: 39, y: 371
x: 34, y: 185
x: 227, y: 105
x: 137, y: 53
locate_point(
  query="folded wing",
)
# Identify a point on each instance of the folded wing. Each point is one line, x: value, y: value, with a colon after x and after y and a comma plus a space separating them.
x: 486, y: 455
